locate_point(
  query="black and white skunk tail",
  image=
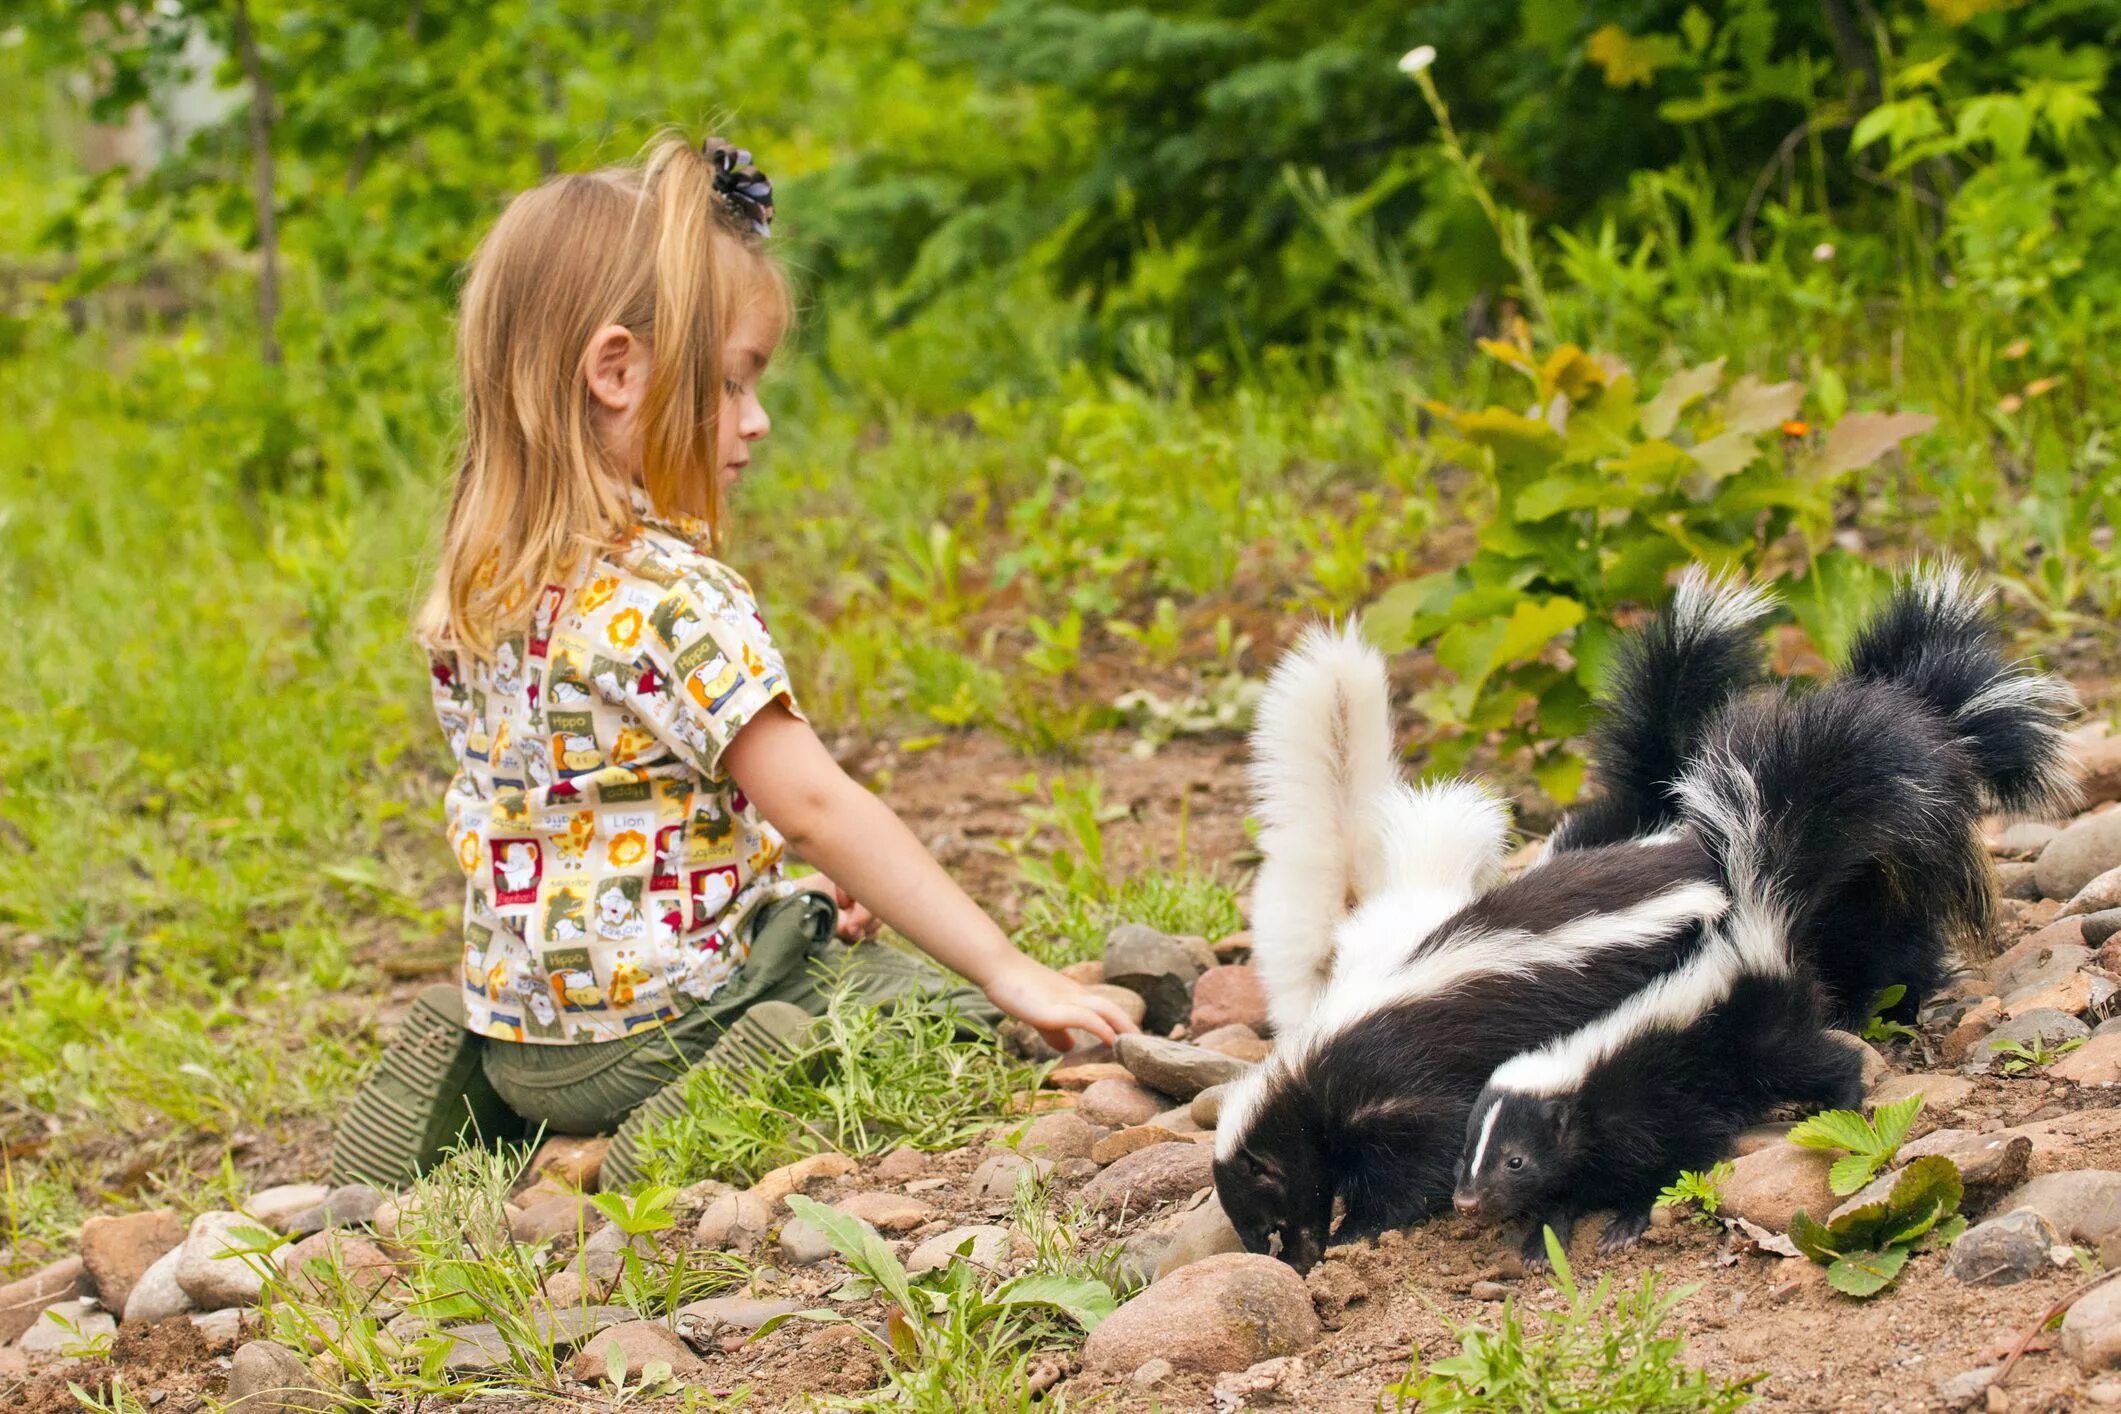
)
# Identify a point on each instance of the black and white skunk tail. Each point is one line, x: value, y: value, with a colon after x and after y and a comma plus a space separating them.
x: 1322, y: 761
x: 1847, y: 818
x: 1670, y: 678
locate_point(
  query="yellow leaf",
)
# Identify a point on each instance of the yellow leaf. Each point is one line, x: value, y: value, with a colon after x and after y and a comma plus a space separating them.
x: 1503, y: 352
x: 1661, y: 413
x: 1727, y: 454
x: 1514, y: 438
x: 1572, y: 373
x: 1628, y: 60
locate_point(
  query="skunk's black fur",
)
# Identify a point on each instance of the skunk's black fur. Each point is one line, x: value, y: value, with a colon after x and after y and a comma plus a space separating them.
x: 1669, y: 680
x: 1373, y: 1112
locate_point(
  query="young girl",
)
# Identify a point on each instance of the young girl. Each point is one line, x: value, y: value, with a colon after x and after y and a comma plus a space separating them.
x: 632, y: 765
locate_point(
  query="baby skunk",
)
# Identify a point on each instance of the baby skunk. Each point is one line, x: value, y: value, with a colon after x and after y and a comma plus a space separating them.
x: 1850, y: 809
x: 1390, y: 1018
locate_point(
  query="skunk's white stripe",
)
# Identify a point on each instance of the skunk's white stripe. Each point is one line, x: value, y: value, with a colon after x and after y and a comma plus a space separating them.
x: 1487, y: 1130
x: 1457, y: 958
x: 1709, y: 604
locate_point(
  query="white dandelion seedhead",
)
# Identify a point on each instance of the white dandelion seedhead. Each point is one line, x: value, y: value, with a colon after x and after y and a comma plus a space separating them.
x: 1417, y: 59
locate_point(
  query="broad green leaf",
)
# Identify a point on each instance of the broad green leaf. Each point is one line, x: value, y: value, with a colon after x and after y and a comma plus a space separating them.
x: 1727, y: 453
x: 1680, y: 391
x: 1835, y: 1129
x: 1893, y: 1122
x: 1085, y: 1301
x: 1560, y: 775
x: 1811, y: 1237
x: 864, y: 1250
x: 1650, y: 464
x: 1754, y: 406
x: 1944, y: 1234
x: 1532, y: 625
x: 1863, y: 1274
x: 1468, y: 649
x: 1903, y: 121
x: 1631, y: 61
x: 1516, y: 441
x: 1850, y: 1172
x: 1394, y: 620
x: 1571, y: 489
x: 1862, y: 437
x: 1927, y: 1191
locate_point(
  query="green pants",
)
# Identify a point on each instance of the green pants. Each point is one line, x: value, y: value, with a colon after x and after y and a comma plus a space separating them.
x: 438, y: 1084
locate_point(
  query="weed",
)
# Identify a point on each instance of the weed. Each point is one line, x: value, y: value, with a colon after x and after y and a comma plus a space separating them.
x: 115, y: 1398
x: 654, y: 1281
x: 1584, y: 1356
x: 867, y: 1080
x: 1864, y: 1250
x: 2018, y: 1057
x: 1880, y: 1030
x: 1701, y: 1191
x: 1870, y: 1143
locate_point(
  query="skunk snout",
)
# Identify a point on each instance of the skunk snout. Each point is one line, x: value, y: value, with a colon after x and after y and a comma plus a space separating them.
x: 1467, y: 1204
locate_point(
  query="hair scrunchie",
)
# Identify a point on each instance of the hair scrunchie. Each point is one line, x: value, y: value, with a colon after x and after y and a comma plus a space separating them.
x: 742, y: 187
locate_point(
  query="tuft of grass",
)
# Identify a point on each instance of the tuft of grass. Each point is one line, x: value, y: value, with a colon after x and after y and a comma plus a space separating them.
x: 1703, y: 1192
x: 1597, y: 1352
x: 867, y: 1081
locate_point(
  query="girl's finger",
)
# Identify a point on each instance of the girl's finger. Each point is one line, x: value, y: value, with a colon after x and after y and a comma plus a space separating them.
x: 1121, y: 1022
x: 1089, y: 1018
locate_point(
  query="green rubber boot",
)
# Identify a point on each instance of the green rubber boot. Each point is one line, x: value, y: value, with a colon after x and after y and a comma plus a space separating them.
x: 427, y: 1095
x: 767, y: 1035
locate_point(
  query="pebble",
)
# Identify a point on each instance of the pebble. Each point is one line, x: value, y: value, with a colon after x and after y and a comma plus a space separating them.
x: 20, y: 1301
x: 349, y: 1205
x: 272, y: 1207
x: 65, y: 1327
x: 995, y: 1181
x: 1117, y: 1145
x: 2091, y: 1331
x: 1964, y: 1389
x: 1939, y: 1092
x: 1207, y: 1106
x: 2096, y: 1062
x: 363, y: 1266
x: 1150, y: 1177
x: 734, y: 1223
x: 1488, y: 1291
x: 1082, y: 1077
x: 2043, y: 966
x: 1240, y: 1041
x: 636, y: 1343
x: 219, y: 1329
x: 2018, y: 880
x: 903, y: 1165
x: 2005, y: 1250
x: 1158, y: 967
x: 212, y: 1280
x: 2066, y: 932
x: 567, y: 1215
x: 2080, y: 854
x: 733, y: 1313
x: 1119, y: 1104
x: 1064, y: 1134
x: 480, y: 1347
x: 2084, y: 1204
x: 2097, y: 758
x: 1875, y: 1067
x: 2104, y: 1392
x: 990, y: 1248
x: 1985, y: 1161
x: 574, y: 1160
x: 1153, y: 1371
x: 157, y: 1296
x: 1769, y: 1185
x: 886, y: 1212
x: 1973, y: 1029
x: 1203, y: 1233
x: 2098, y: 896
x: 1228, y: 994
x: 117, y: 1251
x: 2100, y: 927
x: 1221, y: 1314
x: 267, y: 1377
x: 2077, y: 995
x: 1176, y: 1068
x: 800, y: 1175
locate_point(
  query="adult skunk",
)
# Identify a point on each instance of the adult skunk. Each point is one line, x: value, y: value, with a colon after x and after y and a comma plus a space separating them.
x: 1843, y: 827
x: 1389, y: 1017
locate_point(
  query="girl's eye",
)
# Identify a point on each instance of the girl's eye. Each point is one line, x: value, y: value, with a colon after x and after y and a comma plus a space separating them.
x: 733, y: 388
x: 1517, y: 1161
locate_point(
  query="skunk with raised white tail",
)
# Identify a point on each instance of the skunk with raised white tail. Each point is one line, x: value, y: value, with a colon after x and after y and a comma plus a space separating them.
x: 1395, y: 988
x: 1843, y: 826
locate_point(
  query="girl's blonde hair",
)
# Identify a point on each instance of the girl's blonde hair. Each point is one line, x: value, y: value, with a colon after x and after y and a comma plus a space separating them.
x: 652, y: 247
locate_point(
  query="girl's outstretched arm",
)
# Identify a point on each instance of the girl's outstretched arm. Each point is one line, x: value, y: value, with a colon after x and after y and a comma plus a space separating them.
x: 839, y: 827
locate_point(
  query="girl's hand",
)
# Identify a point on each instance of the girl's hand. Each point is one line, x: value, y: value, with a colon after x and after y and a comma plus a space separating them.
x: 1053, y: 1005
x: 857, y: 924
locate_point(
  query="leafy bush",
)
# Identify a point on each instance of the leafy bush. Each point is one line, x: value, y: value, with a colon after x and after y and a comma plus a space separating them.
x: 1584, y: 1356
x: 867, y: 1081
x: 1588, y: 500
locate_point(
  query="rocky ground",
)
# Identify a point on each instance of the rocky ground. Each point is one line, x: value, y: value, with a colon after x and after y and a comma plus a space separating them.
x: 2036, y: 1135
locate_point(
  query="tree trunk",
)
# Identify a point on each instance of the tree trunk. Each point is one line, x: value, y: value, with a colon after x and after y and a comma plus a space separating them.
x: 261, y: 166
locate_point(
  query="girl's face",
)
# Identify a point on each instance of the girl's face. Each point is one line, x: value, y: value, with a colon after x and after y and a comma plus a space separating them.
x: 743, y: 420
x: 616, y: 366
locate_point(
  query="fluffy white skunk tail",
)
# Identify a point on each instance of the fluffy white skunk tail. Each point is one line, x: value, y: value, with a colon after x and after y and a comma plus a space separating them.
x: 1322, y: 762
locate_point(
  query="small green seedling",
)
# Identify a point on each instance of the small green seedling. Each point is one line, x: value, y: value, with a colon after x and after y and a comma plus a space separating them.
x: 1863, y: 1251
x: 2022, y: 1056
x: 1878, y: 1028
x: 1703, y: 1192
x: 1871, y: 1143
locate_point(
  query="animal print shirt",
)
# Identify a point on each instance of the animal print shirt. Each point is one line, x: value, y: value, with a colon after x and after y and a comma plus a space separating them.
x: 609, y: 864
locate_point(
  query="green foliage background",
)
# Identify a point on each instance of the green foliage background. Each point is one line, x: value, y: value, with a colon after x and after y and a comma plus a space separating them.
x: 1132, y: 334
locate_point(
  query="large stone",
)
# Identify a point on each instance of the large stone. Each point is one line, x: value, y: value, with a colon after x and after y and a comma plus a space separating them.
x: 567, y: 1215
x: 803, y: 1244
x: 2079, y: 994
x: 1875, y: 1068
x: 998, y: 1177
x: 1940, y: 1093
x: 1217, y: 1315
x: 21, y: 1301
x: 1149, y: 1177
x: 349, y: 1205
x: 629, y: 1348
x: 479, y: 1347
x: 272, y: 1207
x: 2096, y: 1062
x: 1064, y: 1134
x: 886, y: 1212
x: 1987, y: 1163
x: 2044, y: 1027
x: 1770, y: 1185
x: 2096, y: 756
x: 157, y: 1296
x: 2098, y: 896
x: 2083, y: 1204
x: 360, y: 1265
x: 570, y: 1159
x: 1239, y: 1041
x: 265, y: 1378
x: 2099, y: 931
x: 219, y: 1330
x: 990, y: 1248
x: 1128, y: 1001
x: 2080, y: 854
x: 67, y: 1328
x: 1175, y: 1068
x: 1205, y: 1233
x: 1160, y: 968
x: 1207, y: 1106
x: 2091, y: 1331
x: 2005, y: 1250
x: 1082, y: 1077
x: 1972, y: 1031
x: 2022, y: 839
x: 734, y: 1222
x: 117, y: 1251
x: 2018, y: 879
x: 2043, y: 967
x: 1122, y: 1142
x: 799, y: 1176
x: 731, y: 1313
x: 1120, y: 1104
x: 209, y: 1270
x: 1229, y: 994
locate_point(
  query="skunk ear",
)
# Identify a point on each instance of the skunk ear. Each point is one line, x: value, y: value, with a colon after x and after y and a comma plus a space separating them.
x: 1258, y: 1166
x: 1397, y: 1112
x: 1561, y: 1115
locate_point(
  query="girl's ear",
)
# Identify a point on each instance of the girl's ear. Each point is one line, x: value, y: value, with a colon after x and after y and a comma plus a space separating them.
x: 616, y: 368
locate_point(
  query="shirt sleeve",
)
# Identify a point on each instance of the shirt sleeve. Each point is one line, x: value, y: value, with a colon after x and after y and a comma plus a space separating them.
x: 710, y: 666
